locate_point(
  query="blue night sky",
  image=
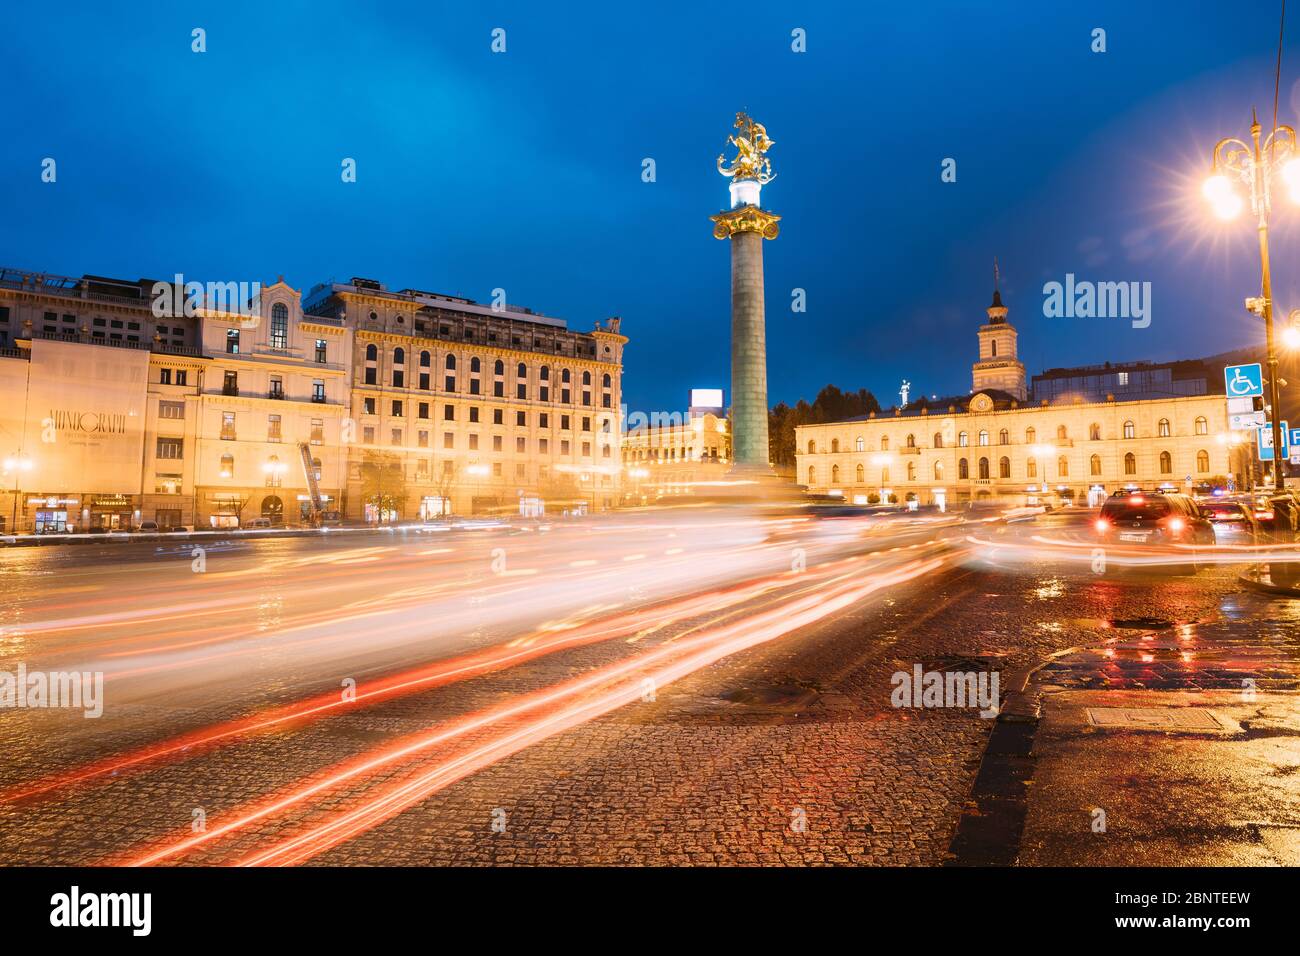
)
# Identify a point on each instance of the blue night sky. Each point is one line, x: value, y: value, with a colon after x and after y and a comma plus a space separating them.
x: 523, y: 170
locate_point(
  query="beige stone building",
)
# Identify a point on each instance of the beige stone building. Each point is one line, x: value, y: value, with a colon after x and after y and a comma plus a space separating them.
x: 271, y: 412
x: 473, y: 409
x: 997, y: 444
x: 676, y: 457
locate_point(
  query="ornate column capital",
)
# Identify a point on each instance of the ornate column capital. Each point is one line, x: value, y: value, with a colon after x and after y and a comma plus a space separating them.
x: 746, y: 219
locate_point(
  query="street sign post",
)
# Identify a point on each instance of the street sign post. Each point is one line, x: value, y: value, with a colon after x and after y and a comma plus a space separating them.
x: 1247, y: 421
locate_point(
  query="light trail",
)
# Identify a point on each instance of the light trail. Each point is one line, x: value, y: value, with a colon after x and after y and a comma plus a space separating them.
x: 549, y: 638
x: 664, y: 664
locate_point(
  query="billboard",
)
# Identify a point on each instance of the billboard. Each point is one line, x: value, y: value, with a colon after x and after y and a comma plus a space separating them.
x: 706, y: 398
x: 85, y: 417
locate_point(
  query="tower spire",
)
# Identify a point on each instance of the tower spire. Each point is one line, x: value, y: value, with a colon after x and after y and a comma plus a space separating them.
x: 997, y: 294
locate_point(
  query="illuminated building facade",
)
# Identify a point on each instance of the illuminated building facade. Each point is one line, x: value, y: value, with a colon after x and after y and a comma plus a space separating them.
x: 473, y: 409
x: 675, y: 454
x: 997, y: 444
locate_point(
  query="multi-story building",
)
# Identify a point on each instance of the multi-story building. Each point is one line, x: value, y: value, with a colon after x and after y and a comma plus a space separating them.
x: 1001, y: 444
x: 468, y: 408
x: 272, y: 409
x: 381, y: 405
x: 676, y: 454
x: 97, y: 404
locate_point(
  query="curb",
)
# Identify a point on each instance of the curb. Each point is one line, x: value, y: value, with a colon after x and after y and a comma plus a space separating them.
x: 1267, y: 587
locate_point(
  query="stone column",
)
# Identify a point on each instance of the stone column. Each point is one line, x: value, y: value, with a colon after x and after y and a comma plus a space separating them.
x: 748, y: 354
x: 747, y: 226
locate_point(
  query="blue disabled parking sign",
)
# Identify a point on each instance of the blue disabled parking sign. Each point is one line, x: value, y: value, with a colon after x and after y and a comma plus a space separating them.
x: 1244, y: 381
x: 1265, y: 438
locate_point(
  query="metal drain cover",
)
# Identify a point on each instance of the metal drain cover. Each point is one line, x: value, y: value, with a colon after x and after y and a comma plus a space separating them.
x: 1187, y: 720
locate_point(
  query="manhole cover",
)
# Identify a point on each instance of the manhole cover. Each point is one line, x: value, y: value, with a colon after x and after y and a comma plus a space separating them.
x: 1188, y: 720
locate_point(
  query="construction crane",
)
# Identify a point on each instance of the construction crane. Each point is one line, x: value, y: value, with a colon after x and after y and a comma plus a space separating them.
x: 313, y: 486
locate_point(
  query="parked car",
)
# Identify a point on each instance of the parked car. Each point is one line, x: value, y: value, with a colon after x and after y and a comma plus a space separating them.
x: 254, y: 524
x: 1268, y: 510
x: 331, y: 519
x: 147, y: 527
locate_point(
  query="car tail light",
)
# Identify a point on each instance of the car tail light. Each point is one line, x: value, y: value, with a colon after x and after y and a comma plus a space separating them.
x: 1264, y: 515
x: 1177, y: 524
x: 1102, y: 525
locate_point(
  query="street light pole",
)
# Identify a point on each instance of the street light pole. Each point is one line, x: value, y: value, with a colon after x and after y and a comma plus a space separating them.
x: 1249, y: 164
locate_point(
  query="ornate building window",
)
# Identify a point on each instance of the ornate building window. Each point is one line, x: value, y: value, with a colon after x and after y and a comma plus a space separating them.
x: 1202, y: 460
x: 1094, y: 432
x: 1004, y: 437
x: 859, y: 444
x: 963, y: 469
x: 1130, y: 431
x: 1202, y: 426
x: 1004, y: 467
x: 1031, y: 468
x: 835, y: 445
x: 861, y: 474
x: 1162, y: 428
x: 938, y: 439
x: 963, y: 440
x: 983, y: 438
x: 279, y: 326
x: 1130, y: 464
x: 1094, y: 465
x: 1063, y: 466
x: 984, y: 469
x: 1030, y: 435
x: 1166, y: 463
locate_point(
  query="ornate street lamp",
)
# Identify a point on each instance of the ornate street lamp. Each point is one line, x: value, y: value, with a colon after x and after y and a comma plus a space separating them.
x: 1255, y: 165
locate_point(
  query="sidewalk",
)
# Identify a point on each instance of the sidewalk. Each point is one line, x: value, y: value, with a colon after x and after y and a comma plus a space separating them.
x: 1163, y: 745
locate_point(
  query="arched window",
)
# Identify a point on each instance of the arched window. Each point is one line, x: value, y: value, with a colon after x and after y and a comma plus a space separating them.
x: 315, y: 467
x: 1162, y: 428
x: 451, y: 362
x: 911, y: 471
x: 521, y: 371
x: 859, y: 444
x: 1060, y: 433
x: 372, y: 353
x: 884, y: 443
x: 993, y: 348
x: 938, y: 471
x: 1202, y: 426
x: 984, y: 468
x: 424, y: 360
x: 606, y: 381
x: 835, y: 445
x: 586, y: 378
x: 1202, y: 461
x: 812, y: 475
x: 1094, y: 432
x: 963, y: 439
x: 1094, y: 465
x: 399, y: 356
x: 861, y: 474
x: 812, y: 447
x: 1130, y: 464
x: 279, y: 326
x: 227, y: 466
x: 884, y: 475
x: 1166, y: 463
x: 475, y: 366
x: 911, y: 440
x: 1130, y: 430
x: 544, y: 373
x: 835, y: 474
x: 983, y: 438
x: 1031, y: 468
x: 1062, y: 466
x: 963, y: 469
x: 1004, y: 437
x: 1004, y: 467
x: 1030, y: 436
x: 500, y: 368
x: 938, y: 439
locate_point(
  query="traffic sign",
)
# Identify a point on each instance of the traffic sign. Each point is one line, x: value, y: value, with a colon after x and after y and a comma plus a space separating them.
x: 1240, y: 406
x: 1244, y: 381
x: 1265, y: 439
x: 1248, y: 421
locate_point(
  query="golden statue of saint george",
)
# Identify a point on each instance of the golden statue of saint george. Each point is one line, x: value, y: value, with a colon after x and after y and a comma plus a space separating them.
x: 751, y: 143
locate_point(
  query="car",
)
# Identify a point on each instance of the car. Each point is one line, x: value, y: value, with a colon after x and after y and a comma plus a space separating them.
x: 147, y: 527
x: 331, y: 519
x: 1154, y: 519
x: 253, y: 524
x: 1234, y: 520
x: 1267, y: 510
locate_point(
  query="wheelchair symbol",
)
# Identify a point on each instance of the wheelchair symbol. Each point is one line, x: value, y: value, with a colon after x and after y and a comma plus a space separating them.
x: 1240, y: 384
